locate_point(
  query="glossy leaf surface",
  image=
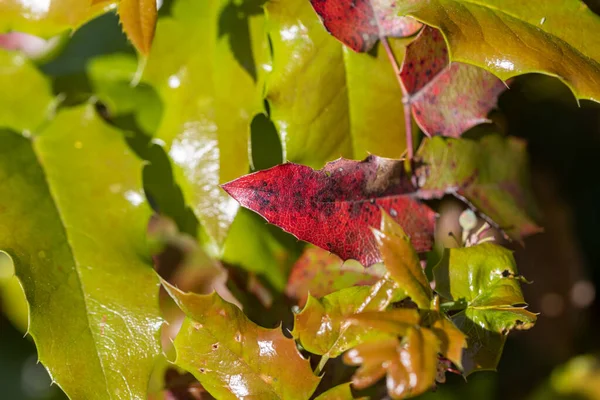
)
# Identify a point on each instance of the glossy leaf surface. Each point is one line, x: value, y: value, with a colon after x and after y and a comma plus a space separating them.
x: 334, y: 208
x: 360, y: 24
x: 410, y: 365
x: 560, y: 37
x: 78, y: 246
x: 204, y: 127
x: 234, y: 358
x: 446, y: 98
x: 138, y: 18
x: 486, y: 278
x: 490, y: 173
x: 326, y: 100
x: 402, y: 261
x: 320, y: 273
x: 339, y: 392
x: 323, y: 327
x: 48, y: 18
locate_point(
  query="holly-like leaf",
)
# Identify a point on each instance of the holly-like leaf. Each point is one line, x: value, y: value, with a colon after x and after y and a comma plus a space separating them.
x: 74, y: 221
x: 410, y: 365
x: 326, y: 100
x: 491, y: 174
x: 339, y: 392
x: 446, y: 98
x: 324, y: 326
x: 204, y: 128
x: 360, y: 24
x: 402, y: 261
x: 335, y: 207
x: 138, y: 18
x: 48, y: 18
x: 320, y: 273
x: 485, y: 277
x: 452, y: 340
x: 234, y: 358
x: 560, y: 36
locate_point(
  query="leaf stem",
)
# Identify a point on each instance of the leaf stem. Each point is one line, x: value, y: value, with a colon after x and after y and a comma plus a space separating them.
x: 405, y: 98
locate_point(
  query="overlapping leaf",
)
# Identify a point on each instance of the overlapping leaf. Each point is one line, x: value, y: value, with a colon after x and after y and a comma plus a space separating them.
x: 320, y: 273
x: 326, y: 100
x: 209, y: 100
x: 402, y: 261
x: 138, y: 18
x: 446, y: 98
x: 492, y: 174
x: 48, y: 18
x: 78, y: 246
x: 360, y: 24
x: 323, y: 326
x: 486, y: 278
x: 340, y: 392
x: 334, y: 208
x: 234, y: 358
x: 513, y: 37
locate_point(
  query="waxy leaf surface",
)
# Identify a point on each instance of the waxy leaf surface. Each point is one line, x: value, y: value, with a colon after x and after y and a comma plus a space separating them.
x: 48, y: 18
x: 446, y: 98
x: 320, y: 273
x: 340, y: 392
x: 359, y: 24
x: 234, y: 358
x: 513, y: 37
x: 335, y: 208
x: 323, y: 327
x: 326, y: 100
x: 138, y: 18
x: 491, y: 174
x: 485, y: 277
x: 209, y: 100
x: 402, y: 261
x: 73, y: 219
x: 410, y: 365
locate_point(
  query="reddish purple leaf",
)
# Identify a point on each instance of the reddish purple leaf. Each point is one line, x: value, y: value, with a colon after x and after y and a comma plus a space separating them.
x: 360, y: 23
x: 446, y: 98
x: 335, y: 207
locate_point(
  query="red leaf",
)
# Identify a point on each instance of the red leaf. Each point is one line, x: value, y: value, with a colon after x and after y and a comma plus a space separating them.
x: 335, y: 207
x: 360, y: 23
x: 446, y: 98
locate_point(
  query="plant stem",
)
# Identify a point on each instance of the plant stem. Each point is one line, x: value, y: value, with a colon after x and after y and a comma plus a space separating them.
x: 405, y: 99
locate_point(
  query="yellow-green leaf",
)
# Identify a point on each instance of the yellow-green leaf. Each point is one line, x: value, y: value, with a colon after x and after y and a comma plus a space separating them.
x: 513, y: 37
x: 234, y: 358
x: 138, y: 18
x: 326, y: 100
x: 402, y: 261
x: 339, y: 392
x: 74, y: 220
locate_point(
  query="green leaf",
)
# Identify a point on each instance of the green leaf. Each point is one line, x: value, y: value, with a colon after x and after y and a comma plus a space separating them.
x: 323, y: 326
x: 138, y: 18
x: 234, y: 358
x: 209, y: 101
x: 74, y: 221
x: 339, y: 392
x: 27, y: 97
x: 326, y: 100
x: 452, y: 340
x: 513, y: 37
x: 492, y: 174
x: 48, y: 18
x: 320, y: 273
x: 485, y: 277
x: 402, y: 261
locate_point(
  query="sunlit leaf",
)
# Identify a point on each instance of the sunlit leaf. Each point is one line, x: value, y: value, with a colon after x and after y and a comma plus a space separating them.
x: 402, y: 261
x: 234, y: 358
x: 485, y: 277
x: 320, y: 273
x: 514, y: 37
x: 492, y: 174
x: 326, y: 100
x: 446, y: 98
x: 335, y: 207
x: 138, y: 18
x: 339, y: 392
x: 74, y: 220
